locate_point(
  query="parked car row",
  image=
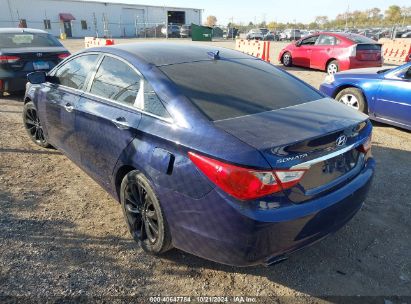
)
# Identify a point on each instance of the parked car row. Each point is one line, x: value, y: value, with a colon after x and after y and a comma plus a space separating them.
x: 176, y: 31
x: 265, y: 34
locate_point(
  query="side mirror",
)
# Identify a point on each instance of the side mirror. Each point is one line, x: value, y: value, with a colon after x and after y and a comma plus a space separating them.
x: 406, y: 75
x: 298, y: 43
x: 37, y: 77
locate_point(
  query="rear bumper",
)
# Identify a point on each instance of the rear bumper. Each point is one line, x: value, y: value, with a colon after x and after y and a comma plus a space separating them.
x: 353, y: 63
x: 220, y: 230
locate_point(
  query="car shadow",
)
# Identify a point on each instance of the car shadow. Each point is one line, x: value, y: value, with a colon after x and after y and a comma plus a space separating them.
x: 387, y: 126
x: 296, y: 68
x: 15, y: 96
x: 46, y: 257
x: 11, y: 150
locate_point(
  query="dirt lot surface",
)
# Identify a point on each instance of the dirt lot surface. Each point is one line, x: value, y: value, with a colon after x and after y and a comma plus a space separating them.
x: 62, y: 235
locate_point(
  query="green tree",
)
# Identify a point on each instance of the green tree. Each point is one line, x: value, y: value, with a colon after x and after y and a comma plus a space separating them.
x: 313, y: 26
x: 211, y: 21
x: 393, y: 14
x: 321, y: 20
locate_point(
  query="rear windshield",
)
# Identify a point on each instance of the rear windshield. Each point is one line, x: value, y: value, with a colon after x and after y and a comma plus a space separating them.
x: 368, y: 47
x: 19, y: 40
x: 358, y: 38
x: 224, y: 89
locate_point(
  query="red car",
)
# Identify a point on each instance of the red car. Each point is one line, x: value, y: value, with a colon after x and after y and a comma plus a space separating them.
x: 333, y: 52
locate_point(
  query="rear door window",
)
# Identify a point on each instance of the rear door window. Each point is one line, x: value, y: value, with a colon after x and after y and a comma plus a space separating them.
x: 223, y: 89
x: 117, y: 81
x: 326, y: 40
x: 74, y: 73
x: 309, y: 40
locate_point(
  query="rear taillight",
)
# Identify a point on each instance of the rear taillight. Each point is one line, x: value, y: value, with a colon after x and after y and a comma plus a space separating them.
x: 8, y: 59
x: 63, y: 55
x: 366, y: 146
x: 243, y: 183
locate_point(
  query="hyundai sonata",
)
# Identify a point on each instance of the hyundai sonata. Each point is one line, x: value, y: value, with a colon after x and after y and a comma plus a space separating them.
x: 208, y: 150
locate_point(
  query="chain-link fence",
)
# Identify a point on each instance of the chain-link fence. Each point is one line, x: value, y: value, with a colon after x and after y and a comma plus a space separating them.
x: 103, y: 27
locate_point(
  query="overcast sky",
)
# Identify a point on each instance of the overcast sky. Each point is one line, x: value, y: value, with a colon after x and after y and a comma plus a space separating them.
x: 270, y: 10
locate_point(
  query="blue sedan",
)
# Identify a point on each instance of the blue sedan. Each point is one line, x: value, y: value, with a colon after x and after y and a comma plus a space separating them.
x: 385, y: 94
x: 208, y: 150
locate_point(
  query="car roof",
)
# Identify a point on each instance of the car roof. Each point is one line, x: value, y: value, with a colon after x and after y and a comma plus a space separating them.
x: 17, y: 30
x: 166, y: 53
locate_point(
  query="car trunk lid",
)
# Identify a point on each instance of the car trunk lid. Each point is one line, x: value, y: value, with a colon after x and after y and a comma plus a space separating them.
x: 368, y: 51
x: 320, y: 137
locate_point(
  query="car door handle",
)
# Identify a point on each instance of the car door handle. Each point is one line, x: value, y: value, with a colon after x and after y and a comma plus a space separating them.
x: 68, y: 107
x: 121, y: 123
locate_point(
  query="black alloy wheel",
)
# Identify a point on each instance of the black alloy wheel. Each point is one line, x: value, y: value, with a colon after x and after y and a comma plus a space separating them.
x: 143, y: 214
x: 33, y: 125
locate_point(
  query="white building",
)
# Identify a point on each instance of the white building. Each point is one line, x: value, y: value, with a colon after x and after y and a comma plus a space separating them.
x: 79, y: 18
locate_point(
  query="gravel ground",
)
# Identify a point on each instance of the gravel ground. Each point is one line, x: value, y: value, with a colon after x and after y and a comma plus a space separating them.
x: 62, y: 235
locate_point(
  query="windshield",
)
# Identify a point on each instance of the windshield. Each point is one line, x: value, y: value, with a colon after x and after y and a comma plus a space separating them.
x: 21, y: 40
x: 223, y: 89
x: 383, y: 71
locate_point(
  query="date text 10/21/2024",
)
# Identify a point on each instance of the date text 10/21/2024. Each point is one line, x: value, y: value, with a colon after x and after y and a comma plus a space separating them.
x: 202, y: 299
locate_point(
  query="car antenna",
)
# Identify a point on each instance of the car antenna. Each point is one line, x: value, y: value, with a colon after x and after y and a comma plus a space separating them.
x: 214, y: 55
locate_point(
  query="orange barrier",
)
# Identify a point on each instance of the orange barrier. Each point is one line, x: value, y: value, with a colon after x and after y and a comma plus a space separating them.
x: 396, y: 50
x: 92, y: 42
x: 256, y: 48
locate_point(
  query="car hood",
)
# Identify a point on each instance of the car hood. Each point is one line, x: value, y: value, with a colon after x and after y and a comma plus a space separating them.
x: 368, y: 71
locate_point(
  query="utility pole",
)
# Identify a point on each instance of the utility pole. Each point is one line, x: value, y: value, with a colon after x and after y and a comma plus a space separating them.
x: 11, y: 13
x: 232, y: 28
x: 95, y: 24
x: 295, y: 25
x: 166, y: 22
x: 346, y: 16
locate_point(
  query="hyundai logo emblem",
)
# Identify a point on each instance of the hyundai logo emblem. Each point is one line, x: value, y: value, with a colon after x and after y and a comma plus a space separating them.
x: 39, y: 54
x: 341, y: 141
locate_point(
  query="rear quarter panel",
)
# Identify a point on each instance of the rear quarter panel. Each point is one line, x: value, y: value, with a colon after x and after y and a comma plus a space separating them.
x: 341, y: 53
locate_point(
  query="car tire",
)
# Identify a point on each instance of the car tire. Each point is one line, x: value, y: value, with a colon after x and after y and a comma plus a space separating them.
x: 332, y: 67
x: 143, y: 214
x: 287, y: 60
x: 33, y: 125
x: 353, y: 98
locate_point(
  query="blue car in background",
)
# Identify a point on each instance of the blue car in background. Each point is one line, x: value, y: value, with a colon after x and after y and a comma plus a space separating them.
x: 208, y: 150
x: 383, y: 93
